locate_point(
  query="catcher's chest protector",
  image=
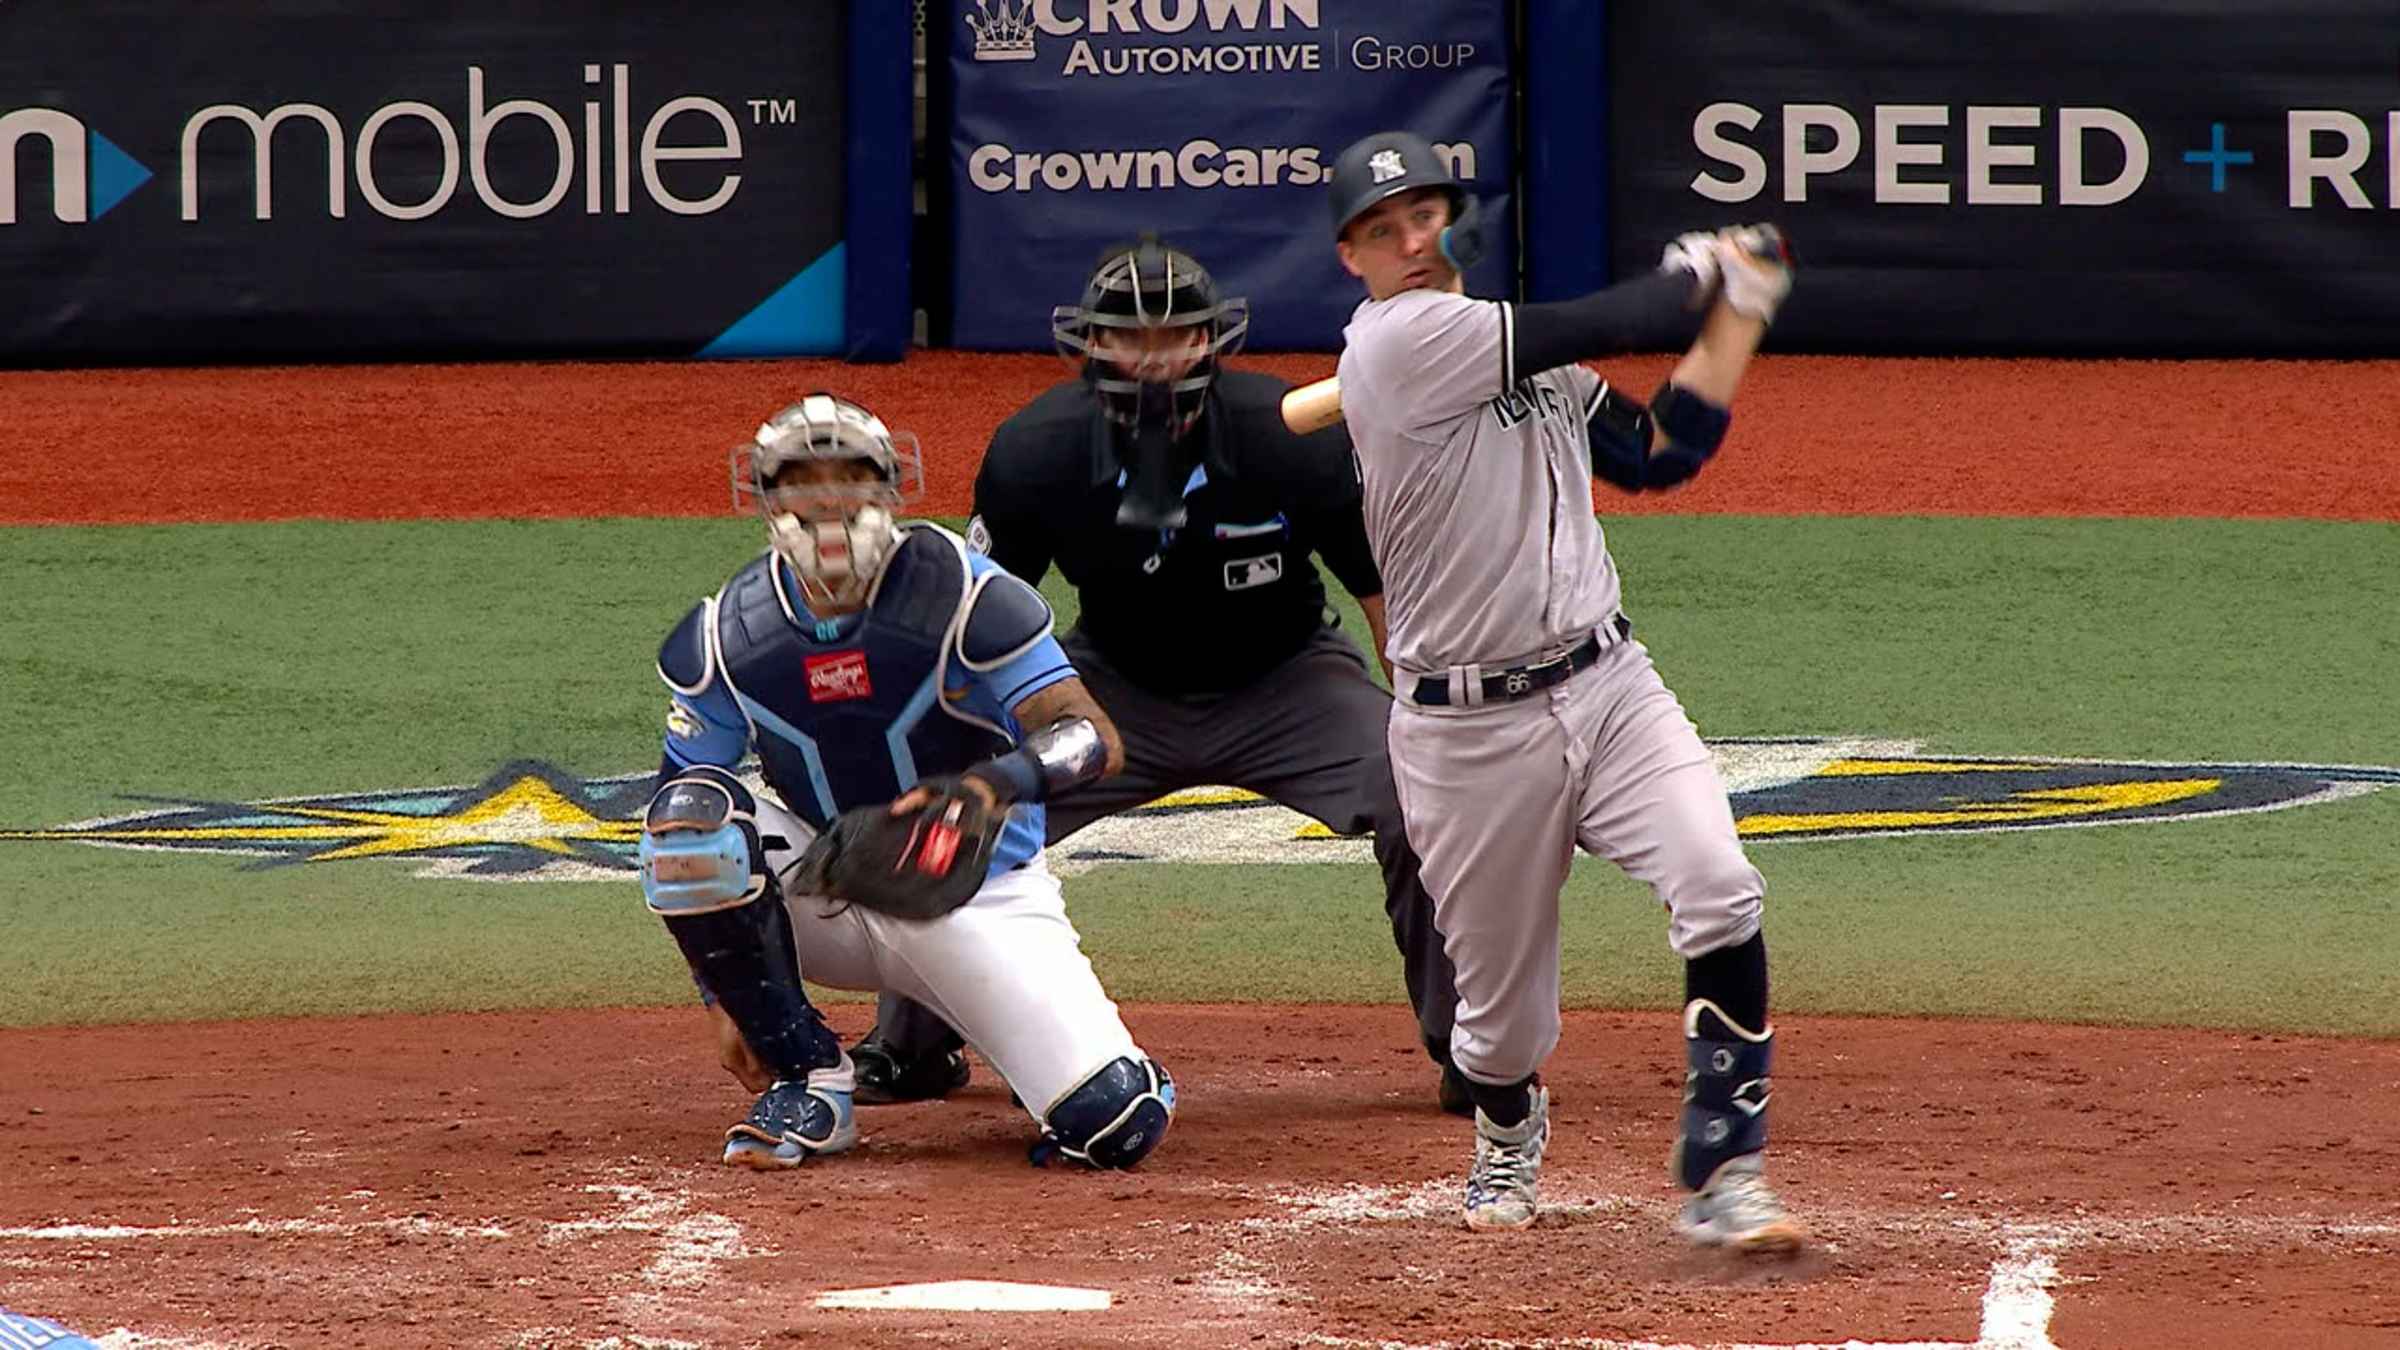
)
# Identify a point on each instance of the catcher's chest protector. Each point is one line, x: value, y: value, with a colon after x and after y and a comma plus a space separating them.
x: 855, y: 721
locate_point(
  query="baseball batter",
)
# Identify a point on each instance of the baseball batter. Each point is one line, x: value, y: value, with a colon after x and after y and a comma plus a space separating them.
x: 866, y: 663
x: 1527, y: 721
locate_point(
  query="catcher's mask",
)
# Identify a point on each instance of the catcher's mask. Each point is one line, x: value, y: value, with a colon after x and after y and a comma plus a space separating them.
x: 1147, y: 339
x: 827, y: 476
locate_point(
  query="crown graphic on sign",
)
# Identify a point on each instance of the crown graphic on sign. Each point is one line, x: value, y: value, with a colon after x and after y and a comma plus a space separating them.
x: 1005, y: 34
x: 1385, y: 165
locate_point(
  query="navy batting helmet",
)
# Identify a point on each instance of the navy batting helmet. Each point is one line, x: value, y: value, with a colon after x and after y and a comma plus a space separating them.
x: 1392, y: 162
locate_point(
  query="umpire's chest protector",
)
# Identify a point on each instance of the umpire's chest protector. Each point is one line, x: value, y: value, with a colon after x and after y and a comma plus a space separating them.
x: 856, y: 721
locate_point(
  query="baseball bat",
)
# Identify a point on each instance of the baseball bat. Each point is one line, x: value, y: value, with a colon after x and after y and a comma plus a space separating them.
x: 1313, y: 407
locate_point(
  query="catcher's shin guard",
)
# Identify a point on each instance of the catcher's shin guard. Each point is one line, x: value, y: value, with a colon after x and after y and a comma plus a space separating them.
x: 704, y: 871
x: 1725, y: 1092
x: 1114, y: 1119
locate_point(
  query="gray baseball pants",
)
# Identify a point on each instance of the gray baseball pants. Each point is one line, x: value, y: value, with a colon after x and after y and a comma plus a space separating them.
x: 1498, y: 797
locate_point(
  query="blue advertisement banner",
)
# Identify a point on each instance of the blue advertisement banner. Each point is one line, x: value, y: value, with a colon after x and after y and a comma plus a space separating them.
x: 1078, y: 123
x: 2097, y: 177
x: 386, y: 178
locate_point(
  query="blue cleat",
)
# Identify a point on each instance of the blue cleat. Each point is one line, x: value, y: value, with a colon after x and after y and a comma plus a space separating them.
x: 791, y: 1122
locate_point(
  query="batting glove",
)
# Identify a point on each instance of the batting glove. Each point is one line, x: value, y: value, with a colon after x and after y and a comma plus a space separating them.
x: 1695, y: 253
x: 1755, y: 268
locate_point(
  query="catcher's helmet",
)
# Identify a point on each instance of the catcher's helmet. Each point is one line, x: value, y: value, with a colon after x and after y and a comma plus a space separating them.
x: 837, y: 535
x: 1391, y: 162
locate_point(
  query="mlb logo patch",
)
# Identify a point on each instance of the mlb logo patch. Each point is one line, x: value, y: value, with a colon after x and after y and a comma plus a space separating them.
x: 1243, y: 574
x: 837, y: 676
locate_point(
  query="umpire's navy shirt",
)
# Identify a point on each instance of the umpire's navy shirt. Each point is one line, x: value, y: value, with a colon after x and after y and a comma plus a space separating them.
x: 1206, y: 608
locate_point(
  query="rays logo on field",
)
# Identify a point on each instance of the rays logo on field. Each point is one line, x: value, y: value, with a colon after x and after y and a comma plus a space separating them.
x: 533, y: 821
x: 89, y: 174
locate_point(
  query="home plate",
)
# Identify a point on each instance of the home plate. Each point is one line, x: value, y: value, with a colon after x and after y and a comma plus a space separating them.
x: 969, y: 1296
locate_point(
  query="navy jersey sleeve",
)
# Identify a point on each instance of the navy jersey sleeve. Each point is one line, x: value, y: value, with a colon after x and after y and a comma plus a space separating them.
x: 1009, y: 526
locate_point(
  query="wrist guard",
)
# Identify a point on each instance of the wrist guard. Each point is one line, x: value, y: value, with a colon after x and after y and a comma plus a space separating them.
x: 1059, y: 758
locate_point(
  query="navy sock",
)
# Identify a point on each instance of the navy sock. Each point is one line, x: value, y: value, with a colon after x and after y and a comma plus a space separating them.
x: 1734, y: 978
x: 1506, y: 1105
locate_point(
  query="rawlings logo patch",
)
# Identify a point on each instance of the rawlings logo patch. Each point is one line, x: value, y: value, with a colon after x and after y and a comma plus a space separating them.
x: 837, y: 676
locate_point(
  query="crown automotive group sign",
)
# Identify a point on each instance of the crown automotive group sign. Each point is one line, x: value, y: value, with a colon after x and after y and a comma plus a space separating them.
x: 1079, y: 123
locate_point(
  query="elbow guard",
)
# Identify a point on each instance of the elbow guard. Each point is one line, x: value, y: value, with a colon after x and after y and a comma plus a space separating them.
x: 1689, y: 420
x: 1059, y: 758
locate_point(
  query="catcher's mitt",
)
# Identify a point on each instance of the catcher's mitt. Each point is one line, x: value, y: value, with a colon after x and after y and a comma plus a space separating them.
x: 919, y: 866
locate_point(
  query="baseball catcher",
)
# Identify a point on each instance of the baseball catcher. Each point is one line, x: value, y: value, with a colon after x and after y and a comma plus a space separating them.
x: 912, y: 718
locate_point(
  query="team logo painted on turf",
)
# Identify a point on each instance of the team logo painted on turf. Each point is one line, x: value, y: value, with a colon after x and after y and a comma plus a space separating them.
x: 532, y: 821
x: 527, y: 820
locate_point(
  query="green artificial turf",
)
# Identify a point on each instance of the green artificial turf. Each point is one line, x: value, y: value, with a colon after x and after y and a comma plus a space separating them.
x: 240, y: 662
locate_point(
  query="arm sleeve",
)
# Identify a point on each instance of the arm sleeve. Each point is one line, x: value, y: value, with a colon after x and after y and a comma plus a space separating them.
x: 1432, y: 357
x: 1007, y: 528
x: 1652, y: 310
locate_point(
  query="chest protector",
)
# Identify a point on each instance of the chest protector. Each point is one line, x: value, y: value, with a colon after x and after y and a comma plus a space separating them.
x: 854, y: 722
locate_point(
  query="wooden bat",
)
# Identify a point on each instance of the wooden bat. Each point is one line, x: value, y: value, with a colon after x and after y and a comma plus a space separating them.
x: 1313, y: 407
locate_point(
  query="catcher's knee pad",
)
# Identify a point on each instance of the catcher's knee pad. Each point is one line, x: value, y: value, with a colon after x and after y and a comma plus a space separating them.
x: 1725, y: 1092
x: 704, y: 872
x: 1114, y: 1119
x: 700, y: 849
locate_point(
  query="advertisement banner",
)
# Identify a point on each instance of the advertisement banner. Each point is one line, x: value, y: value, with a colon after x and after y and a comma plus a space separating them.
x: 1078, y: 123
x: 2102, y: 176
x: 386, y: 178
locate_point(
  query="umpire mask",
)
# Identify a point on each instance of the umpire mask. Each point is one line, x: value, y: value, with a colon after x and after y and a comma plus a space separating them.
x: 1147, y: 339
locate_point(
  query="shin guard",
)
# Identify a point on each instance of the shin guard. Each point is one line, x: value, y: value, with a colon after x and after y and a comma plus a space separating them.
x: 1725, y: 1092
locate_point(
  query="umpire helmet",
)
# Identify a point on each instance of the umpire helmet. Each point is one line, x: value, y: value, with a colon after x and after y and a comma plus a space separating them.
x: 1148, y: 333
x: 1392, y: 162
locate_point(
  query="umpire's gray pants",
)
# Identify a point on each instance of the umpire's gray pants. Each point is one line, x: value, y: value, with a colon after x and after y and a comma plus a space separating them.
x: 1310, y: 734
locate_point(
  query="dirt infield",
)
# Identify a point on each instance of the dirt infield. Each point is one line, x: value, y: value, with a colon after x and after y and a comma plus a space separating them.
x: 1814, y: 435
x: 550, y: 1180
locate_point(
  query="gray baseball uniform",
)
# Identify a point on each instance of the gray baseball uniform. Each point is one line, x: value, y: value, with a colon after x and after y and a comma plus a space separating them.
x: 1498, y: 583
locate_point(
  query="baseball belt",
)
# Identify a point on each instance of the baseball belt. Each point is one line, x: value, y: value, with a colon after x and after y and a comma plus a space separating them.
x: 1501, y: 686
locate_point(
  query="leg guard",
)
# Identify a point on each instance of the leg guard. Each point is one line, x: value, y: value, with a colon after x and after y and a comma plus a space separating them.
x: 1725, y: 1093
x: 1113, y: 1120
x: 704, y: 872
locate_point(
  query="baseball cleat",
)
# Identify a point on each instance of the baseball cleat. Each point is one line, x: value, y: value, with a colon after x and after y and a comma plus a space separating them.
x: 884, y: 1079
x: 1504, y: 1187
x: 792, y: 1122
x: 1738, y: 1210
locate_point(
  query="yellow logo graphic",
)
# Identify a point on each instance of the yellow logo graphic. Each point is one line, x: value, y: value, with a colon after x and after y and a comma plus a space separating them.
x: 531, y: 819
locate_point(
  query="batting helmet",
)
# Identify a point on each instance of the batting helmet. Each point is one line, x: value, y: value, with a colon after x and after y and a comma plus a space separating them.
x: 1391, y: 162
